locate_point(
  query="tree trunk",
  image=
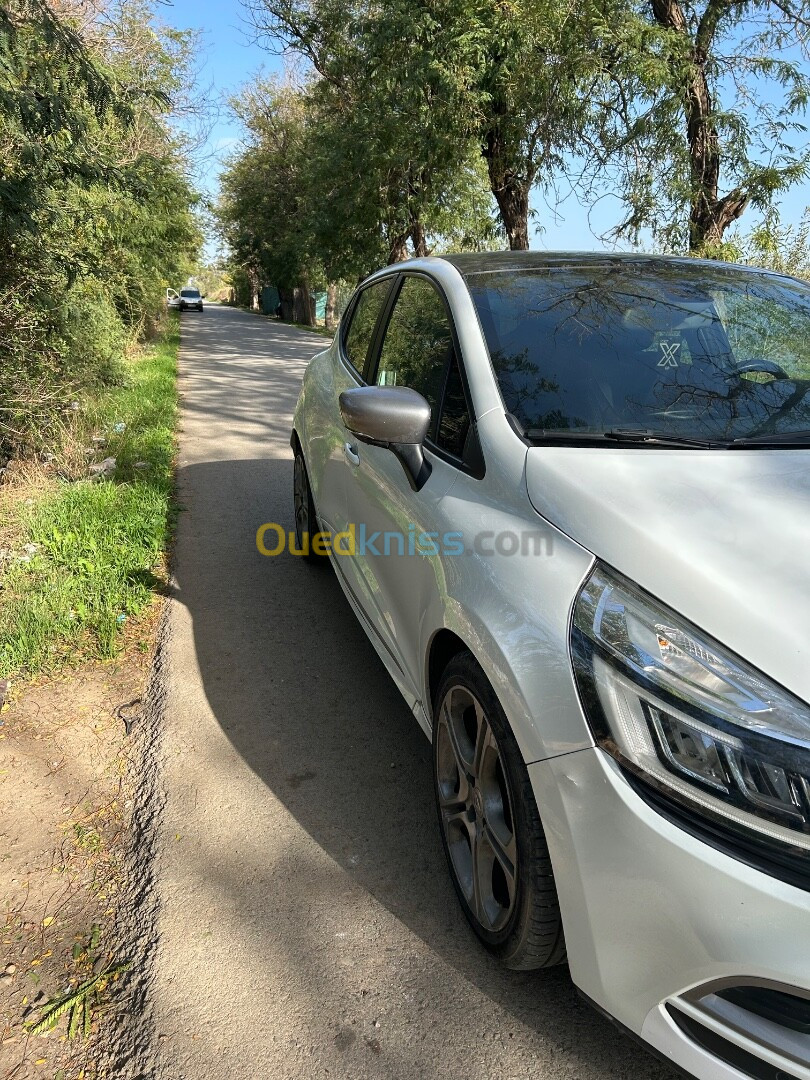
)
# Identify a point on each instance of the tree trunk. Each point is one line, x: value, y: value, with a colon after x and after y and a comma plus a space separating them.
x: 512, y: 197
x: 287, y: 304
x: 398, y: 251
x: 304, y: 306
x: 330, y: 321
x: 709, y: 215
x: 418, y: 239
x: 511, y: 190
x: 297, y: 305
x: 253, y: 282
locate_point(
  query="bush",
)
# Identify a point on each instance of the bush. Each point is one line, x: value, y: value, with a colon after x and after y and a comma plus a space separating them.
x: 53, y: 348
x: 96, y: 209
x: 94, y: 335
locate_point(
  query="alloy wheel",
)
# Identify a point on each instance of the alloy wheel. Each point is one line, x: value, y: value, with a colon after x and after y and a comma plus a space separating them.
x: 476, y: 809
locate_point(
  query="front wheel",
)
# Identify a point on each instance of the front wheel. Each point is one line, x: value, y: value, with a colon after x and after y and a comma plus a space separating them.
x: 490, y: 826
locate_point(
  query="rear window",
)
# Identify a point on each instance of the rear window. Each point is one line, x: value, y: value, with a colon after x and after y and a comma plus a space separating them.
x: 697, y: 352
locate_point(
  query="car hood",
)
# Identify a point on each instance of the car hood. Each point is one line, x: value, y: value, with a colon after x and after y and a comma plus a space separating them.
x: 720, y: 536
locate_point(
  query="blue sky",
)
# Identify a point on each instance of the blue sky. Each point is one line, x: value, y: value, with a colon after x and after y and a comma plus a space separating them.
x: 230, y: 57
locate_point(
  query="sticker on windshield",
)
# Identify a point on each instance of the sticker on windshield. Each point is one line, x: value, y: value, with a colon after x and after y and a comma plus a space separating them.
x: 668, y: 350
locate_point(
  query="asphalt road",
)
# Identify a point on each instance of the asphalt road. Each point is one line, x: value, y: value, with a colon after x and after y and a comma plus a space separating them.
x: 307, y: 924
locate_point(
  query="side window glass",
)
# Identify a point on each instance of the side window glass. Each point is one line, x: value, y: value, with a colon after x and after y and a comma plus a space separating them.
x: 418, y: 343
x: 357, y: 339
x: 454, y: 423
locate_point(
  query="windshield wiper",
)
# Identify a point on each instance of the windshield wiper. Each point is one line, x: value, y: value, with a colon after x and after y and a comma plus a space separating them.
x: 783, y: 439
x: 661, y: 438
x: 623, y: 435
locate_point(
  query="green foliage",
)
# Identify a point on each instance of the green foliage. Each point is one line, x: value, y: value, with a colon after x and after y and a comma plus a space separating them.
x: 78, y: 1004
x: 702, y: 113
x: 377, y: 156
x: 783, y: 248
x: 92, y: 330
x: 96, y: 546
x: 262, y: 202
x: 96, y: 208
x: 432, y: 105
x: 420, y: 113
x: 213, y: 280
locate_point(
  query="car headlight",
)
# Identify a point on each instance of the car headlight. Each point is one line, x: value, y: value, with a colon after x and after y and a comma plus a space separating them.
x: 688, y: 717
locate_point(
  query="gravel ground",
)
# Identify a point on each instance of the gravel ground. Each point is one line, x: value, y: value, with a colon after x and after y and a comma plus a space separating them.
x: 291, y: 908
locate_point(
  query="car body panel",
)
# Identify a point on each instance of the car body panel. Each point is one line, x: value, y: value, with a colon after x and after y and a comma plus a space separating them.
x: 715, y: 534
x: 518, y: 648
x: 322, y: 434
x: 649, y: 911
x: 512, y: 611
x: 394, y: 586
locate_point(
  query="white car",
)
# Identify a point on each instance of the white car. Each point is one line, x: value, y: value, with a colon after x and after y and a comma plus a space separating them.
x: 190, y: 298
x: 568, y: 498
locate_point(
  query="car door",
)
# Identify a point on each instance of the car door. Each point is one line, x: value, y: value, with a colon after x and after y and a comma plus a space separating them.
x: 326, y: 435
x: 396, y: 563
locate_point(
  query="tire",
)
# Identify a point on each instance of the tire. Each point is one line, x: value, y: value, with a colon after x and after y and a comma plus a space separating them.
x: 488, y: 819
x: 306, y: 519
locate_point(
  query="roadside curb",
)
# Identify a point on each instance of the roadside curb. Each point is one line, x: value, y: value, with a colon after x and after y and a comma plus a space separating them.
x: 127, y: 1046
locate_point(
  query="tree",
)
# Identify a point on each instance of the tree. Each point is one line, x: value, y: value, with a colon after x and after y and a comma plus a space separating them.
x: 388, y: 174
x: 703, y: 110
x: 330, y: 184
x: 525, y: 64
x: 502, y: 80
x: 263, y: 209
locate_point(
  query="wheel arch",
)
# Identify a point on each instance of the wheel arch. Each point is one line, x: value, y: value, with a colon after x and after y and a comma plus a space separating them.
x: 466, y: 636
x: 444, y: 645
x: 535, y: 689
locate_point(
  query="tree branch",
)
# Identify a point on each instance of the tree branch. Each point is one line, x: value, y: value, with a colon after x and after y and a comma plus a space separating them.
x: 707, y: 27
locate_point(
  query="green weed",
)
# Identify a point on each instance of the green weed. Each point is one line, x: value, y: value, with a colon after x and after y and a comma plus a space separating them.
x: 94, y: 551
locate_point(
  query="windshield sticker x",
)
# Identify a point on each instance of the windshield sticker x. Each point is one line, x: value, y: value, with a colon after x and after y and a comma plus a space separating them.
x: 669, y: 348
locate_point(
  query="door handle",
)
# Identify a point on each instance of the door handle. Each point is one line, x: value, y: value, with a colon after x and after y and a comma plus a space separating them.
x: 351, y: 454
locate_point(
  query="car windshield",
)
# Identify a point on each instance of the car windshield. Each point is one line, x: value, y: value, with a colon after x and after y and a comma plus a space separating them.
x: 693, y: 352
x: 192, y: 294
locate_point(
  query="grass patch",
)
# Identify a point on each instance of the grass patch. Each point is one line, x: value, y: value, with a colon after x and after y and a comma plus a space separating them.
x: 89, y: 554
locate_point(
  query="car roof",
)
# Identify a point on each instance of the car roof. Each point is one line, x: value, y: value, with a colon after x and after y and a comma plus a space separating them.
x: 482, y: 262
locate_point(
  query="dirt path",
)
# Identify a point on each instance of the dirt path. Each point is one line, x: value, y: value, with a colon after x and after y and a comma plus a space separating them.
x: 307, y: 925
x: 65, y: 798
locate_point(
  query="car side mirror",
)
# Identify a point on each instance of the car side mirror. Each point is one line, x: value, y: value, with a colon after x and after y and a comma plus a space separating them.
x: 395, y: 417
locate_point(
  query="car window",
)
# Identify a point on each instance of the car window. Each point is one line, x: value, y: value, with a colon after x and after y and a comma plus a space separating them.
x: 191, y: 294
x: 691, y: 351
x: 454, y: 421
x: 357, y: 338
x: 418, y: 344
